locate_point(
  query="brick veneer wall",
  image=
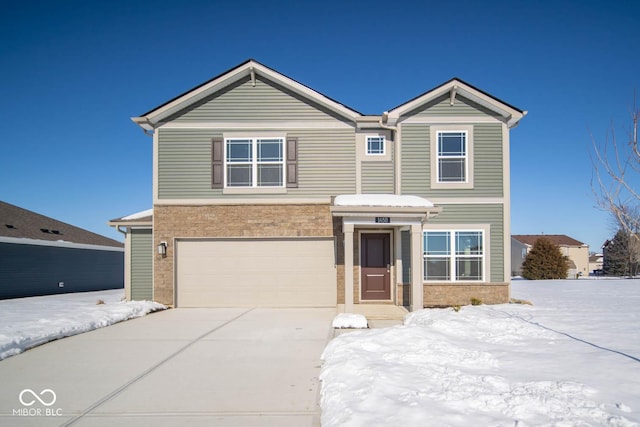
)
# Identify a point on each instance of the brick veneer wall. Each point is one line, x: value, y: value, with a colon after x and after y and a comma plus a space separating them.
x: 170, y: 222
x: 447, y: 295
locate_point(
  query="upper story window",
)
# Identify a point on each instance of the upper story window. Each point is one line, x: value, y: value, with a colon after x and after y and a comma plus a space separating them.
x: 254, y: 162
x: 375, y: 146
x: 452, y: 156
x: 454, y: 255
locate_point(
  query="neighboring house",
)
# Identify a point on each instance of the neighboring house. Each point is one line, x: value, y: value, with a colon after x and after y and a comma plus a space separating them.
x: 268, y: 193
x: 577, y: 252
x: 42, y: 256
x: 596, y: 263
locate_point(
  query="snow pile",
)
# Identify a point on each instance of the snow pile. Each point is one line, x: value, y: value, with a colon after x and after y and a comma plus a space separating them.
x: 388, y: 200
x: 138, y: 215
x: 29, y: 322
x: 350, y: 320
x: 505, y: 365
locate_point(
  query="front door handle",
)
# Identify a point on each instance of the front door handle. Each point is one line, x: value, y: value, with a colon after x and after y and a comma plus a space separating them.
x: 388, y: 266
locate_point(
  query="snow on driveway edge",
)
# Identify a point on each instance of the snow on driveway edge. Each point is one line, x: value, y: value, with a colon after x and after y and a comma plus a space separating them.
x: 29, y: 322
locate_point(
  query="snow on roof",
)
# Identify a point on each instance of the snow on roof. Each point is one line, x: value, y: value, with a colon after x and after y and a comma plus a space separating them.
x: 389, y: 200
x: 138, y: 215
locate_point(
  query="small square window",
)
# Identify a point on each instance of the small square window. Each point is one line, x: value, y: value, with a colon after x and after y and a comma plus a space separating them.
x: 375, y: 145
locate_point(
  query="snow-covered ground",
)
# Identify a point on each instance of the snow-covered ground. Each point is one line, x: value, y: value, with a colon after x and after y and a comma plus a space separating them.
x: 570, y: 359
x: 28, y: 322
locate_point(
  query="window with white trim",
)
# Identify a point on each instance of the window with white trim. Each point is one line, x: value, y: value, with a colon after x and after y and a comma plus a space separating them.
x: 451, y: 160
x: 375, y: 146
x: 254, y: 162
x: 456, y: 256
x: 452, y: 156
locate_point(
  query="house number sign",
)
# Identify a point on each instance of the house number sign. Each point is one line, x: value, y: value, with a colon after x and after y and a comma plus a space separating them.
x: 383, y: 220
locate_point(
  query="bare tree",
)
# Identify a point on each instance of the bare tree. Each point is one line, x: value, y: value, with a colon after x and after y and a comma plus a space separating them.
x: 616, y: 174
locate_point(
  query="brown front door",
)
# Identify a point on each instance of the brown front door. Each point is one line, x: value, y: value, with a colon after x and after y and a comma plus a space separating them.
x: 375, y: 261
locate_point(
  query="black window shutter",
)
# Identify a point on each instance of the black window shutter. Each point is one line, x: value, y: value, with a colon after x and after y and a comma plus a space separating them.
x: 292, y: 162
x: 217, y: 153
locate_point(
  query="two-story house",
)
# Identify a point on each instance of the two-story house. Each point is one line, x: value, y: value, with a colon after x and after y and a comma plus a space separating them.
x: 269, y: 193
x: 576, y: 252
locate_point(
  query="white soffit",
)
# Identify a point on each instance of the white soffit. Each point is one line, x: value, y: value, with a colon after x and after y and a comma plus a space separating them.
x: 249, y: 68
x: 454, y: 88
x: 382, y: 200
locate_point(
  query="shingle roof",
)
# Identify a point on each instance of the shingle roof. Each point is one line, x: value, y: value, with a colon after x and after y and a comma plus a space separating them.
x: 21, y: 223
x: 138, y: 218
x: 558, y: 239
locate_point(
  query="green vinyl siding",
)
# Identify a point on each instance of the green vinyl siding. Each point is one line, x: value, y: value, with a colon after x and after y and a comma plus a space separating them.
x: 441, y: 106
x: 487, y: 162
x: 377, y: 178
x: 491, y: 214
x: 141, y: 264
x: 326, y: 163
x: 244, y: 102
x: 414, y: 152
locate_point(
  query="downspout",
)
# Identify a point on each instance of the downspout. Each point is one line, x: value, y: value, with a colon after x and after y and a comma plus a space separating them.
x: 395, y: 134
x: 385, y: 118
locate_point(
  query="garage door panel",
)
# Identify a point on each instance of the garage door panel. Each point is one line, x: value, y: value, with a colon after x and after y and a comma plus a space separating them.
x: 260, y: 272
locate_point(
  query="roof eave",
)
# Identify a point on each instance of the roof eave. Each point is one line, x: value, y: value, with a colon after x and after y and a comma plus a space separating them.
x: 396, y: 210
x: 509, y: 114
x: 155, y: 117
x: 130, y: 223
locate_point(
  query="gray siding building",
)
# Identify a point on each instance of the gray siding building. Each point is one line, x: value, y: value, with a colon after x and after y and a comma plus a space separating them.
x: 42, y: 256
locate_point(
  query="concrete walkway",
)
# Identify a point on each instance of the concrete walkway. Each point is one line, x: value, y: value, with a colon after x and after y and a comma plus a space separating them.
x: 199, y: 367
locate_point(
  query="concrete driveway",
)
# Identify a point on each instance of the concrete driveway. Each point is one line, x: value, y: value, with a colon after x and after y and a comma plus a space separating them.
x: 223, y: 367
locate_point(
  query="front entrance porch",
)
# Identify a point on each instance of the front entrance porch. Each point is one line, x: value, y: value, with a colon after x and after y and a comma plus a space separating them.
x: 374, y: 228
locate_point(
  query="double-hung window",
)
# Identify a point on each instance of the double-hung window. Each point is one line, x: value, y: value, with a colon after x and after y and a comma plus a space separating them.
x: 452, y: 156
x: 454, y: 256
x: 254, y: 162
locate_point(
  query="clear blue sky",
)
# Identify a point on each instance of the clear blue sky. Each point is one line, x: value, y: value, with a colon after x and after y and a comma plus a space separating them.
x: 74, y: 72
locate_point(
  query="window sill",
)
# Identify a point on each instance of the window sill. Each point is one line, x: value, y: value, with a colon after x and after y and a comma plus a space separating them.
x: 255, y: 190
x: 458, y: 283
x: 452, y: 185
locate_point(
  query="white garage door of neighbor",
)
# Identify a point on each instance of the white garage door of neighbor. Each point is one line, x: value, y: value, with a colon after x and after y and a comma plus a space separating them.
x: 260, y: 272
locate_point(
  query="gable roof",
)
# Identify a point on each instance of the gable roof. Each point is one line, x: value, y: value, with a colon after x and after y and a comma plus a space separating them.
x: 19, y: 223
x: 454, y: 87
x: 558, y: 239
x: 151, y: 119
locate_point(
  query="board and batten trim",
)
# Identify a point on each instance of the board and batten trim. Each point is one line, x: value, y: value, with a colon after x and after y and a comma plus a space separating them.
x: 257, y: 125
x: 506, y: 180
x: 244, y: 201
x: 468, y: 200
x: 444, y: 120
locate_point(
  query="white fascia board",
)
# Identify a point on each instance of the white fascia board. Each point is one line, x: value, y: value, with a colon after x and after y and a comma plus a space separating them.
x: 307, y: 92
x: 58, y: 244
x: 155, y: 118
x: 395, y: 114
x: 511, y: 115
x: 195, y: 95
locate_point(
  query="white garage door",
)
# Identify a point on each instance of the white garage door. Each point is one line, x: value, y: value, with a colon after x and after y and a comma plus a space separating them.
x: 257, y: 272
